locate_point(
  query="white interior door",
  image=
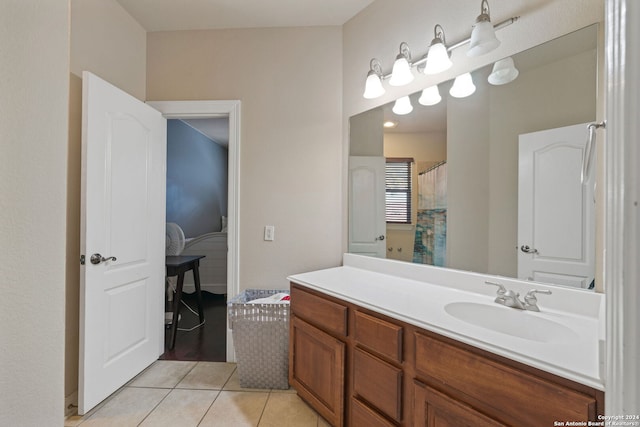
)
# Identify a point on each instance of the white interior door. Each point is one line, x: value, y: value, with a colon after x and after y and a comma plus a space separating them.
x: 556, y: 212
x: 367, y: 222
x: 123, y: 215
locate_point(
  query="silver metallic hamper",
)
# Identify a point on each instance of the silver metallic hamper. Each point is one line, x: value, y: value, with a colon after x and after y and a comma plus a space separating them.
x: 261, y: 339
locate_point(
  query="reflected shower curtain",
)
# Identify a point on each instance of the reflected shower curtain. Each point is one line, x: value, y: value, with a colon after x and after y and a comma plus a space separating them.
x: 430, y: 246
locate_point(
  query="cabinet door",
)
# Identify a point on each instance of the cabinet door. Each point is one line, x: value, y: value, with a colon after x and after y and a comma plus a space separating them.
x: 316, y: 369
x: 435, y: 409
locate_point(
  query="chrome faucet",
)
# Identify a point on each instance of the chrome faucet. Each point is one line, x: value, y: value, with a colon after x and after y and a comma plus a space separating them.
x: 510, y: 298
x: 530, y: 300
x: 506, y: 297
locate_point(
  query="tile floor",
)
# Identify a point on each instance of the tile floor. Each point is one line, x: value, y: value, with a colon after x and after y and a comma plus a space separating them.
x: 185, y: 394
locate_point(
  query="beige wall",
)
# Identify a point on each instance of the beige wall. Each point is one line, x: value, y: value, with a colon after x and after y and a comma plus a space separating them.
x: 108, y: 42
x: 289, y: 82
x: 34, y: 66
x: 468, y: 204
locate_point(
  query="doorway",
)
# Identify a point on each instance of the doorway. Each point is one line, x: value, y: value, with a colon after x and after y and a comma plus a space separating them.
x: 186, y: 110
x: 196, y: 216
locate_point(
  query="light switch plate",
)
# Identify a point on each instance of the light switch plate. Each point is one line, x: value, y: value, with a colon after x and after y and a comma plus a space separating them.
x: 269, y: 233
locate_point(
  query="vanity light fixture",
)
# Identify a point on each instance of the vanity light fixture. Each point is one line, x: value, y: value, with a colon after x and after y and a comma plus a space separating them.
x: 401, y: 73
x: 438, y: 56
x: 373, y: 87
x: 462, y: 86
x: 430, y: 96
x: 504, y: 71
x: 483, y: 35
x: 402, y: 106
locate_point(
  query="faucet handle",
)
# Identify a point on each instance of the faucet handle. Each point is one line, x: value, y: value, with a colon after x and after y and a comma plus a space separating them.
x: 501, y: 289
x: 531, y: 302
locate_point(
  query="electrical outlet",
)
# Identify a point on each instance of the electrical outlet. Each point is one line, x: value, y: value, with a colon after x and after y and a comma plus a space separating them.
x: 269, y: 233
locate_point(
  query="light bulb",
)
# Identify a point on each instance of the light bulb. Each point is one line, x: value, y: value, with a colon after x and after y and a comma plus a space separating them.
x: 504, y: 71
x: 373, y: 87
x: 402, y: 106
x: 437, y: 59
x: 401, y: 73
x: 462, y: 86
x: 430, y: 96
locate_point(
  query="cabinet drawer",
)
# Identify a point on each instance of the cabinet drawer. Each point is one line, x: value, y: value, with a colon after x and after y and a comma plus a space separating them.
x: 362, y: 415
x: 378, y: 382
x: 432, y: 408
x: 515, y: 397
x: 328, y: 315
x: 380, y: 336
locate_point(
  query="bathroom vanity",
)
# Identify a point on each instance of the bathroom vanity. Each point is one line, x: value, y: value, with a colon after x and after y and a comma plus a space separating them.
x: 382, y: 343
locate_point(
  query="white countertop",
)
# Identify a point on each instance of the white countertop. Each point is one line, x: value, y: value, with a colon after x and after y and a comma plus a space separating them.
x: 407, y: 292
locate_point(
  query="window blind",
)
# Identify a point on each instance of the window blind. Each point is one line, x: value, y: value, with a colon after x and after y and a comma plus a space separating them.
x: 398, y: 190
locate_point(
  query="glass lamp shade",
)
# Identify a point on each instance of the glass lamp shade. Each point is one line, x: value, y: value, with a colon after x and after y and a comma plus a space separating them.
x: 402, y: 106
x: 373, y: 87
x: 462, y: 86
x: 430, y: 96
x: 401, y: 73
x: 504, y: 71
x: 437, y: 58
x: 483, y: 37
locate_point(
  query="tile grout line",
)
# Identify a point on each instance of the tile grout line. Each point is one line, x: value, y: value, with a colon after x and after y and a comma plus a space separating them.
x: 154, y: 408
x: 209, y: 408
x: 264, y: 408
x: 171, y: 390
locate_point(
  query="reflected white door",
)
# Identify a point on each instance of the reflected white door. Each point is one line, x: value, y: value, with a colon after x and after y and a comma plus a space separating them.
x: 367, y: 221
x: 123, y: 215
x: 556, y: 212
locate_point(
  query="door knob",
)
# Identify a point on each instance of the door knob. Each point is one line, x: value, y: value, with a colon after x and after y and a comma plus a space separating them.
x: 527, y: 250
x: 380, y: 237
x: 97, y: 259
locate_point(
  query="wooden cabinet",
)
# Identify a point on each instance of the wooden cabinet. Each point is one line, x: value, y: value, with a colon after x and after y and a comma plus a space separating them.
x: 435, y: 409
x: 318, y: 362
x: 515, y: 396
x: 378, y: 383
x: 316, y: 358
x: 358, y: 368
x: 363, y: 415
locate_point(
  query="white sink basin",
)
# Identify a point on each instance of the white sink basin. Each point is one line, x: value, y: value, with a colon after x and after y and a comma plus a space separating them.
x: 518, y: 323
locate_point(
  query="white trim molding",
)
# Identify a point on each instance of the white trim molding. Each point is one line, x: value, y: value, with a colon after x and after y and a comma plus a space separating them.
x: 208, y: 109
x: 622, y: 221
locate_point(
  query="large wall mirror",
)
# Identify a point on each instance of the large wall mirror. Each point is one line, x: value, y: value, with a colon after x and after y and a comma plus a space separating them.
x: 495, y: 177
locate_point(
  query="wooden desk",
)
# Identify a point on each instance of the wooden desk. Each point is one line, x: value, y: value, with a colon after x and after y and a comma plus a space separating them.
x: 177, y: 266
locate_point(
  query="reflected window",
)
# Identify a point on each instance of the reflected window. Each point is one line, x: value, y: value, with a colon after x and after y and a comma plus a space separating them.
x: 398, y: 190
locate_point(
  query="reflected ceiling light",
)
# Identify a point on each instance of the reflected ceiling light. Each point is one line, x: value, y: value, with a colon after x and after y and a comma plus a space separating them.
x: 390, y: 124
x: 430, y: 96
x: 401, y: 73
x: 504, y: 71
x: 438, y: 56
x: 462, y: 86
x: 373, y: 87
x: 483, y: 35
x: 402, y: 106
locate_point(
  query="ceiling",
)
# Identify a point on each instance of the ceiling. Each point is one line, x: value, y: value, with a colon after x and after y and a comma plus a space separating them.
x: 172, y: 15
x: 216, y: 129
